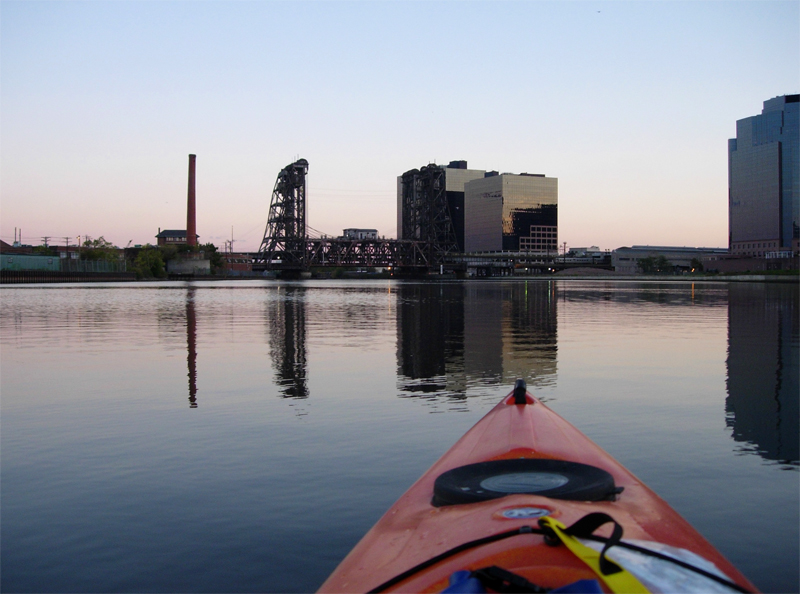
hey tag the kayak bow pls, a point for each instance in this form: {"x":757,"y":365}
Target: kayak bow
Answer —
{"x":525,"y":502}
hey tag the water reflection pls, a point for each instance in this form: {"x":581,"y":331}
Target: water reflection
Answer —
{"x":91,"y":453}
{"x":670,"y":295}
{"x":286,"y":317}
{"x":455,"y":335}
{"x":530,"y":324}
{"x":191,"y":345}
{"x":762,"y":379}
{"x":430,"y":338}
{"x":483,"y":333}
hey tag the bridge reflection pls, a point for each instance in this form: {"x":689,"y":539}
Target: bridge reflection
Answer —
{"x":286,"y":338}
{"x":450,"y":336}
{"x":286,"y":317}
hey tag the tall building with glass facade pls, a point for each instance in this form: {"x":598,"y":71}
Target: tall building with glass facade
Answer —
{"x":489,"y":211}
{"x":508,"y":212}
{"x":764,"y":180}
{"x":456,"y":178}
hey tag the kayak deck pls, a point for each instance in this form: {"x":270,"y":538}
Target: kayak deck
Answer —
{"x":417,"y":528}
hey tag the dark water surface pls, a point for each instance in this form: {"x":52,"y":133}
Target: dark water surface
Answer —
{"x":242,"y":437}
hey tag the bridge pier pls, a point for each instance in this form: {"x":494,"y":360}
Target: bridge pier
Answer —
{"x":292,"y":274}
{"x":411,"y":272}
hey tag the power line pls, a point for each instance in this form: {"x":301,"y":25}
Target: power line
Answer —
{"x":319,"y":234}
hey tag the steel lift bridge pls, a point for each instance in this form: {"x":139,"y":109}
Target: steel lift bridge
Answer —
{"x":284,"y":243}
{"x":289,"y":251}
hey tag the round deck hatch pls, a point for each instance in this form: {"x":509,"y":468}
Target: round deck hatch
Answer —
{"x":524,"y":482}
{"x":557,"y":479}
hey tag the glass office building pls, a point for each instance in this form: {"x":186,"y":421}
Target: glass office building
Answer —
{"x":456,"y":177}
{"x":508,"y":212}
{"x":764,"y":180}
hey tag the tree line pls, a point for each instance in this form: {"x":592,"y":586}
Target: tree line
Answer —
{"x":661,"y":265}
{"x":149,"y":261}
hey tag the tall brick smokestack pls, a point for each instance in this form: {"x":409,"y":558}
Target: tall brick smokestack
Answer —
{"x":191,"y":220}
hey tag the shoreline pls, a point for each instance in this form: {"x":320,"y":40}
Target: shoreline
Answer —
{"x":627,"y":278}
{"x":766,"y":278}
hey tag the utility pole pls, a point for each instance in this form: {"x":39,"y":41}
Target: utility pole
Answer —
{"x":45,"y":239}
{"x":65,"y":266}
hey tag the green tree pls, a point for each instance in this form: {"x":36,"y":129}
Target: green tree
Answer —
{"x":169,"y":252}
{"x":149,"y":263}
{"x":99,"y":249}
{"x":664,"y":266}
{"x":43,"y":250}
{"x":647,"y":265}
{"x":655,"y":265}
{"x":214,"y":256}
{"x":697,"y":265}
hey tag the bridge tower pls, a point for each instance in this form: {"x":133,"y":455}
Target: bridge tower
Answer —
{"x":284,"y":245}
{"x":426,"y":215}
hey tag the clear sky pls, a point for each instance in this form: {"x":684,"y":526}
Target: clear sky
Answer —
{"x":628,"y":104}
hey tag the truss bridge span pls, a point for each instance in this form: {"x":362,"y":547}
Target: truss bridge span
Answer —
{"x":351,"y":253}
{"x":287,"y":248}
{"x":374,"y":253}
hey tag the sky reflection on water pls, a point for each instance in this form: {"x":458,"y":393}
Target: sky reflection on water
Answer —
{"x":243,"y":436}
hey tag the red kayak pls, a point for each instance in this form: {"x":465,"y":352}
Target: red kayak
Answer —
{"x":524,"y":502}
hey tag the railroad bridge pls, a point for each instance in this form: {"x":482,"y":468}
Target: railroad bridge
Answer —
{"x":288,"y":250}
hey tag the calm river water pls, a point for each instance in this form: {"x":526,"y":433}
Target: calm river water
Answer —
{"x":242,"y":436}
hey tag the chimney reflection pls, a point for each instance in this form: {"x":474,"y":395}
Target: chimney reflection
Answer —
{"x":763,"y":381}
{"x":191,"y":346}
{"x":287,"y":340}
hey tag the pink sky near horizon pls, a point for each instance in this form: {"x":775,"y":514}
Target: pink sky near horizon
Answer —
{"x":630,"y":105}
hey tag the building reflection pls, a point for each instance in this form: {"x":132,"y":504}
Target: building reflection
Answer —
{"x":455,"y":335}
{"x":762,"y":369}
{"x":430,"y":341}
{"x":191,"y":345}
{"x":286,"y":317}
{"x":530,"y":340}
{"x":483,"y":332}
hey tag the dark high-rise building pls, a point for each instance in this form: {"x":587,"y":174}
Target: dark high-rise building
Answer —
{"x":413,"y":210}
{"x":764,"y":180}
